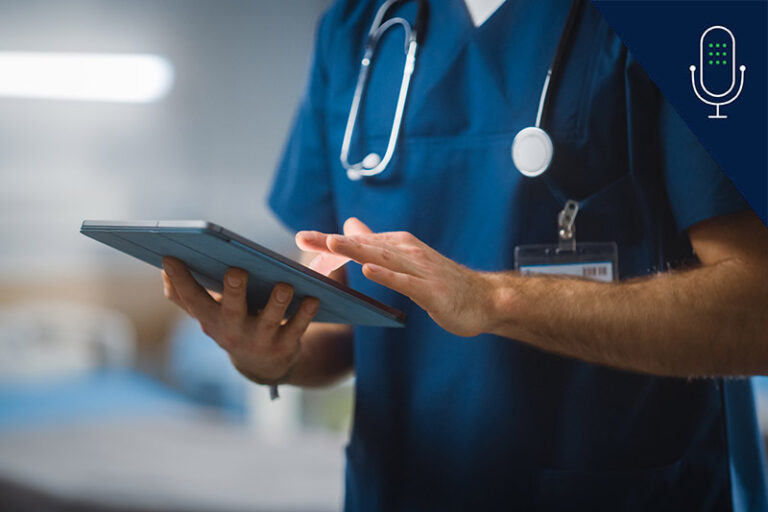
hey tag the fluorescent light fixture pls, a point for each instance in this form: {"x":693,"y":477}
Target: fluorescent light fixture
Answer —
{"x":125,"y":78}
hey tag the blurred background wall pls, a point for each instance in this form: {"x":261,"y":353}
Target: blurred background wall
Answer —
{"x":207,"y":150}
{"x":109,"y":398}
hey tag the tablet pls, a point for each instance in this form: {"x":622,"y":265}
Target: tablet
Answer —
{"x":209,"y":250}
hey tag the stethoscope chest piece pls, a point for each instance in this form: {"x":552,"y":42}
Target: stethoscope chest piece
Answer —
{"x":532,"y":151}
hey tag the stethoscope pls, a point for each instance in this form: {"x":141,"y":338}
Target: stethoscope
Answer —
{"x":532,"y":149}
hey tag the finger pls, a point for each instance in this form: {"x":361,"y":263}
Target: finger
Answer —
{"x":402,"y":241}
{"x":300,"y":320}
{"x":362,"y":250}
{"x":389,"y":237}
{"x":234,"y":307}
{"x":313,"y":241}
{"x":271,"y":317}
{"x":353,"y":226}
{"x":325,"y":263}
{"x":410,"y":286}
{"x":170,"y":292}
{"x":194,"y":297}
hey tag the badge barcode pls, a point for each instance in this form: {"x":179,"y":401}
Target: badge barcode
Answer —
{"x":594,"y":271}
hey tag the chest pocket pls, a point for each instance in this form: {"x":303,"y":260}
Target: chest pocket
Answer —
{"x":587,"y":118}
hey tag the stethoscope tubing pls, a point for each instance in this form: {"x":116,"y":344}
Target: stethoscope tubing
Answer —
{"x":532,"y":149}
{"x":359,"y":170}
{"x":372,"y":164}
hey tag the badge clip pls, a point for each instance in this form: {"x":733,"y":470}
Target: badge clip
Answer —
{"x":566,"y":226}
{"x":589,"y":260}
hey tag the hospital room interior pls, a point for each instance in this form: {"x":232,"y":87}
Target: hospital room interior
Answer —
{"x":111,"y":398}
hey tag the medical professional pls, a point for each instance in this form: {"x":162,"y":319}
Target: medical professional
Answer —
{"x":510,"y":391}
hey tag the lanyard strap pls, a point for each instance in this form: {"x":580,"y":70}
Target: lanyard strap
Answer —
{"x":554,"y":72}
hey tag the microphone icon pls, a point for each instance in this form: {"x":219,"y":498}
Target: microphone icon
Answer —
{"x":717,"y":52}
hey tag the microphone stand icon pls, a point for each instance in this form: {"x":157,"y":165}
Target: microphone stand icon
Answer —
{"x":720,"y":50}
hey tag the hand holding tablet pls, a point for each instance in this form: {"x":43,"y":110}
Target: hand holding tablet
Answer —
{"x":262,"y":346}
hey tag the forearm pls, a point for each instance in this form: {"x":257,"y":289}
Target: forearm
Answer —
{"x":706,"y":321}
{"x":711,"y":320}
{"x":326,"y":356}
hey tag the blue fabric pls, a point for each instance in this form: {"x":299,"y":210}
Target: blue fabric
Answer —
{"x":447,"y":423}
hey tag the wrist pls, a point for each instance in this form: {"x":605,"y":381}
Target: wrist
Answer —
{"x":284,"y":378}
{"x":503,"y":303}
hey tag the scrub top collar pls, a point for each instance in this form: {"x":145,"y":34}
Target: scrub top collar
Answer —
{"x":481,"y":10}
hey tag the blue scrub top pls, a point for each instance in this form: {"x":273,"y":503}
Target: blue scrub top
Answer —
{"x":449,"y":423}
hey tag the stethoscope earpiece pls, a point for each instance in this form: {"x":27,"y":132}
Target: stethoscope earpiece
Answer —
{"x":532,"y":151}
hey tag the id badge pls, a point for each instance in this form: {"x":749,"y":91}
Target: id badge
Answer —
{"x":592,"y":260}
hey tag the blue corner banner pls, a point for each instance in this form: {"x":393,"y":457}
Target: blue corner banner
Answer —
{"x":709,"y":59}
